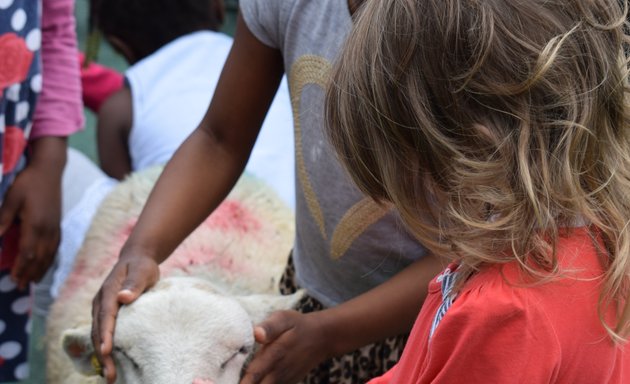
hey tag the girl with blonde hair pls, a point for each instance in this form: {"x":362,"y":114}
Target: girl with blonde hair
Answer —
{"x":499,"y":131}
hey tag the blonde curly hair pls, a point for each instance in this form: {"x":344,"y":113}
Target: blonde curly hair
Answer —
{"x":493,"y":125}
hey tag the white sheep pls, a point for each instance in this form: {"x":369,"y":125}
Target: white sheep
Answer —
{"x":195,"y":324}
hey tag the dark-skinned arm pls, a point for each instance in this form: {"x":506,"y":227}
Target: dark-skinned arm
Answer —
{"x":33,"y":202}
{"x":294,"y":343}
{"x":195,"y":181}
{"x":115,"y":118}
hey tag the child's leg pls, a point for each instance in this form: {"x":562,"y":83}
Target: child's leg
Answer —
{"x":14,"y":329}
{"x":355,"y":367}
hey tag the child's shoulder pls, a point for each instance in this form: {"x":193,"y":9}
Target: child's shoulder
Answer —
{"x":578,"y":268}
{"x":492,"y":321}
{"x":565,"y":302}
{"x":500,"y":315}
{"x":497,"y":293}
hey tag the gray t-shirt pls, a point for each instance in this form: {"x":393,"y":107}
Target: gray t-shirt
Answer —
{"x":345,"y":243}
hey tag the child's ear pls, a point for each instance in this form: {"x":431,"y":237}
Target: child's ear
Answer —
{"x":260,"y":306}
{"x":77,"y":344}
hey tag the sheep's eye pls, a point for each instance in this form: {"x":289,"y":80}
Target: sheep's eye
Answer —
{"x":123,"y":353}
{"x":244,"y":350}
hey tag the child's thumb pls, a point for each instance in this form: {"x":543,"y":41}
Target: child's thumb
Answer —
{"x":260,"y":335}
{"x":136,"y":282}
{"x":273,"y":327}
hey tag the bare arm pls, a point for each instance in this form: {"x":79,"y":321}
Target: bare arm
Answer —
{"x":34,"y":201}
{"x":210,"y":161}
{"x":295,"y":343}
{"x":385,"y":311}
{"x":112,"y":132}
{"x":203,"y":169}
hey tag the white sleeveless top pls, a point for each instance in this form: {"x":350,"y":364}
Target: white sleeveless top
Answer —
{"x":171,"y":90}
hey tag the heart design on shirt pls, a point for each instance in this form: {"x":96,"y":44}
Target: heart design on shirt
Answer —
{"x":311,"y":69}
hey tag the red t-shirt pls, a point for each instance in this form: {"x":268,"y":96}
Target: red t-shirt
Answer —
{"x":502,"y":329}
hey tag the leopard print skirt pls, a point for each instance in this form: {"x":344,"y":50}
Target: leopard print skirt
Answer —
{"x":355,"y":367}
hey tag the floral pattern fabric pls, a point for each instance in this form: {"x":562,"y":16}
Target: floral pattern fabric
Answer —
{"x":20,"y":85}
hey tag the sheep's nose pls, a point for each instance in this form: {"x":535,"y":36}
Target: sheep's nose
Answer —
{"x":202,"y":381}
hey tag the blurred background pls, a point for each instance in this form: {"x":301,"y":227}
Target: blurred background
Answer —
{"x":85,"y":141}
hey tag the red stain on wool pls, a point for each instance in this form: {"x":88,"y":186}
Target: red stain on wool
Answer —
{"x":126,"y":231}
{"x":183,"y":258}
{"x":233,"y":216}
{"x":87,"y":268}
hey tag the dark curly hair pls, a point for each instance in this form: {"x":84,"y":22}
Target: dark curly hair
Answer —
{"x":147,"y":25}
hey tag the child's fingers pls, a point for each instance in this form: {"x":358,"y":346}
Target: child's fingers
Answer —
{"x":27,"y":256}
{"x":46,"y":248}
{"x":8,"y":212}
{"x":261,"y":369}
{"x":104,"y":311}
{"x":21,"y":272}
{"x":37,"y":248}
{"x":22,"y":269}
{"x":273,"y":327}
{"x":126,"y":281}
{"x":258,"y":370}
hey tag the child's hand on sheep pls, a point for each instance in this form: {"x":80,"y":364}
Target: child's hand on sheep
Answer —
{"x":292,"y":344}
{"x":130,"y":277}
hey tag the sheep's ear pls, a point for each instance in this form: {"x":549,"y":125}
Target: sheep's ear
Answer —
{"x":77,"y":344}
{"x":260,"y":306}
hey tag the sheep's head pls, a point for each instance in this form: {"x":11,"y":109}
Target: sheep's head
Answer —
{"x":181,"y":330}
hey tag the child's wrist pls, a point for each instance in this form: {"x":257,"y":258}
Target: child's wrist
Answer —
{"x":330,"y":343}
{"x":132,"y":251}
{"x":49,"y":154}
